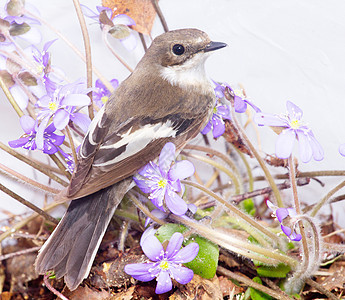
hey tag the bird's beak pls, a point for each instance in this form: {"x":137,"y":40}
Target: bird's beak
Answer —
{"x":214,"y":46}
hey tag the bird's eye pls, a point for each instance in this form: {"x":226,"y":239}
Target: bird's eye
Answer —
{"x":178,"y":49}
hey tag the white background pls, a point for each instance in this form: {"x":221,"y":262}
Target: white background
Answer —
{"x":278,"y":50}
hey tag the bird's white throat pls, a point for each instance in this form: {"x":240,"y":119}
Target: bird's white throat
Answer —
{"x":190,"y":75}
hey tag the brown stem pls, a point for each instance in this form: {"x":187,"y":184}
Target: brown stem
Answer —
{"x":321,"y":289}
{"x":15,"y":175}
{"x":60,"y":165}
{"x":251,"y":283}
{"x":21,"y":252}
{"x":87,"y":46}
{"x":160,"y":15}
{"x":28,"y":204}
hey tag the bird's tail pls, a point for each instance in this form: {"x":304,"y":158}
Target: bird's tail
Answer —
{"x":72,"y":247}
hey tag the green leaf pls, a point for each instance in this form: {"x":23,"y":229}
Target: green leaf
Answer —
{"x":279,"y":271}
{"x":206,"y":262}
{"x":258,"y":295}
{"x":248,"y":206}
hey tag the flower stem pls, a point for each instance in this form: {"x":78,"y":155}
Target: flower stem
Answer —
{"x":144,"y":209}
{"x":10,"y":98}
{"x":60,"y":165}
{"x":15,"y":175}
{"x":298,"y":275}
{"x":240,"y":278}
{"x":33,"y":164}
{"x":87,"y":46}
{"x":160,"y":15}
{"x":28,"y":204}
{"x":72,"y":146}
{"x":105,"y":39}
{"x":261,"y":162}
{"x":326,"y":198}
{"x":237,"y":245}
{"x":234,"y":209}
{"x":51,"y":288}
{"x":233,"y":177}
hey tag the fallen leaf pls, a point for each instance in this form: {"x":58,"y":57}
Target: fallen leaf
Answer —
{"x":228,"y":287}
{"x":141,"y":11}
{"x":86,"y":293}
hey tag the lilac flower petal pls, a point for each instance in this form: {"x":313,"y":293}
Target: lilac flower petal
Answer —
{"x":256,"y":109}
{"x":88,"y":12}
{"x":295,"y":237}
{"x":49,"y":148}
{"x":166,"y":157}
{"x":341,"y":149}
{"x":304,"y":146}
{"x":27,"y":123}
{"x":224,"y":111}
{"x":148,"y":232}
{"x":181,"y":170}
{"x":48,"y":44}
{"x":318,"y":153}
{"x":174,"y":245}
{"x":269,"y":120}
{"x":140,"y":271}
{"x":281,"y":214}
{"x":40,"y":132}
{"x":82,"y":120}
{"x":181,"y":274}
{"x":175,"y":203}
{"x":61,"y":119}
{"x":76,"y":100}
{"x":271,"y":205}
{"x":152,"y":248}
{"x":239,"y":104}
{"x":284,"y":143}
{"x":114,"y":83}
{"x":19,"y":142}
{"x":218,"y":126}
{"x":207,"y":128}
{"x":142,"y":185}
{"x":294,"y":110}
{"x":164,"y":283}
{"x":130,"y":42}
{"x":123,"y":19}
{"x":50,"y":129}
{"x":287,"y":230}
{"x":187,"y":253}
{"x":56,"y":139}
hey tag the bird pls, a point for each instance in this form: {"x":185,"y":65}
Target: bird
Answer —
{"x":167,"y":98}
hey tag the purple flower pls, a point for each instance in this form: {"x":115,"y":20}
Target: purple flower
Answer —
{"x":166,"y":263}
{"x":101,"y":94}
{"x":287,"y":219}
{"x":51,"y":141}
{"x":240,"y":103}
{"x":216,"y":123}
{"x":61,"y":106}
{"x":116,"y":25}
{"x":293,"y":127}
{"x":162,"y":181}
{"x":44,"y":68}
{"x":69,"y":160}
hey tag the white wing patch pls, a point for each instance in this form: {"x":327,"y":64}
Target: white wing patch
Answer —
{"x":138,"y":140}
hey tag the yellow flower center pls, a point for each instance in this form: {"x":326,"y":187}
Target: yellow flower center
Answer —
{"x":164,"y":265}
{"x":162,"y":183}
{"x":53,"y":106}
{"x":104,"y":99}
{"x":215,"y":109}
{"x":40,"y":69}
{"x":295,"y":124}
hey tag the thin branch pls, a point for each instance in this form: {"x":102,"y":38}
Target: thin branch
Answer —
{"x":60,"y":165}
{"x":321,"y":289}
{"x":142,"y":39}
{"x":21,"y":252}
{"x":70,"y":138}
{"x":28,"y":204}
{"x":51,"y":288}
